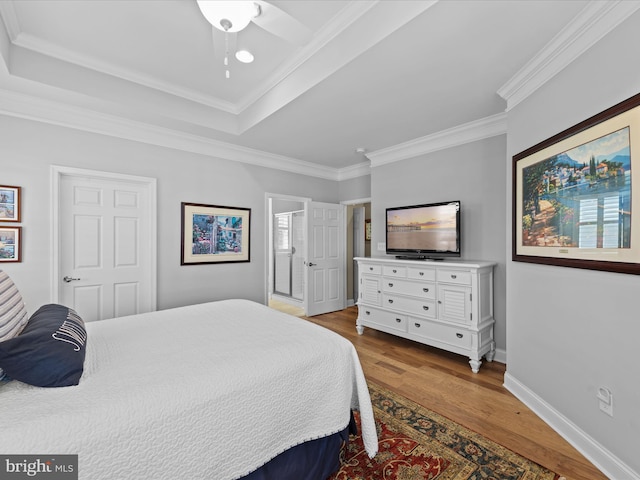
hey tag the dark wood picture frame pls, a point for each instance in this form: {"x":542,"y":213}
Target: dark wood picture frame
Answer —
{"x":10,"y":244}
{"x":10,"y":203}
{"x":572,"y":202}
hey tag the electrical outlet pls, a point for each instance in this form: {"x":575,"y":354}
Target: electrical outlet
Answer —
{"x":605,"y":402}
{"x":382,"y":247}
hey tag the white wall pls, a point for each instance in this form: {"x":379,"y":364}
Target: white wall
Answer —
{"x":27,"y":150}
{"x":569,"y":330}
{"x":472,"y":173}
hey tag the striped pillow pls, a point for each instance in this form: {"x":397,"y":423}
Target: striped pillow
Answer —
{"x":13,"y":314}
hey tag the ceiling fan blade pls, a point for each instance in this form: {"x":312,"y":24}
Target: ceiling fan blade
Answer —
{"x":281,"y":24}
{"x":220,"y":41}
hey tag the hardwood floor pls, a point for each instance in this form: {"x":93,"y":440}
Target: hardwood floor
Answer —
{"x":443,"y":382}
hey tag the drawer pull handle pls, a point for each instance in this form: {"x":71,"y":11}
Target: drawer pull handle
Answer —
{"x":390,"y":301}
{"x":391,"y":284}
{"x":417,"y":325}
{"x":425,"y":307}
{"x":425,"y":290}
{"x":421,"y":274}
{"x":371,"y":268}
{"x":368,"y":312}
{"x":395,"y":271}
{"x":459,"y":335}
{"x":399,"y":320}
{"x":454,"y":276}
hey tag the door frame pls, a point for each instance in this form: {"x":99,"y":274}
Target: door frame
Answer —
{"x":57,"y":172}
{"x":268,"y":267}
{"x":349,"y":259}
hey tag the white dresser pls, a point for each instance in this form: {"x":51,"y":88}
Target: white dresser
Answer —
{"x":445,"y":304}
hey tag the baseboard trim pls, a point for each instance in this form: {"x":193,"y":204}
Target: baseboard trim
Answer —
{"x":602,"y":458}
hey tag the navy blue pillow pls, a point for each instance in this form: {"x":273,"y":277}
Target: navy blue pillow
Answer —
{"x":50,"y":351}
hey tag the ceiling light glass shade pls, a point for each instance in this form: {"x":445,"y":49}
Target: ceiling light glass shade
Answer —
{"x":244,"y":56}
{"x":228,"y":16}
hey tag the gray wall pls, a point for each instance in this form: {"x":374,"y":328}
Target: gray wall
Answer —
{"x":570,"y":330}
{"x":474,"y":174}
{"x":29,"y":148}
{"x":355,"y":188}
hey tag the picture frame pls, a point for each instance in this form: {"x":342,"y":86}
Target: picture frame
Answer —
{"x":10,"y":244}
{"x":572,"y":195}
{"x":10,"y":205}
{"x":214,"y":234}
{"x":367,"y":230}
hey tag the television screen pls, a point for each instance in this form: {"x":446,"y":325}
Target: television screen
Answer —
{"x":424,"y":231}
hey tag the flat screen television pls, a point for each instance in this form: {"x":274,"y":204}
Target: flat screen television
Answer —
{"x":429,"y":231}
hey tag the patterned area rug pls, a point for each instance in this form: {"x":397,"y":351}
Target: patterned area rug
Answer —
{"x":416,"y":443}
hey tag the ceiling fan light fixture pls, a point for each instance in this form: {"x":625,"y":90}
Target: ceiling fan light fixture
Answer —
{"x":229,"y":16}
{"x":244,"y":56}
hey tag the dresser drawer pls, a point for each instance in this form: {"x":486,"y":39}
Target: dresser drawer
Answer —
{"x":408,"y":287}
{"x":441,"y":333}
{"x":394,"y":271}
{"x":454,"y":276}
{"x":413,"y":306}
{"x":371,"y":268}
{"x":385,"y":319}
{"x":421,"y":273}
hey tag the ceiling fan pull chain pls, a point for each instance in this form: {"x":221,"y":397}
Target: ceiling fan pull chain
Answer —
{"x":226,"y":27}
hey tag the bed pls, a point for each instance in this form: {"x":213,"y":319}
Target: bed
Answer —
{"x":218,"y":390}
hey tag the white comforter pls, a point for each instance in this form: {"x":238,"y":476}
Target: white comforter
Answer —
{"x":206,"y":391}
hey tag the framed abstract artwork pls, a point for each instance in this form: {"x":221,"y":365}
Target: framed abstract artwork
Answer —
{"x":572,"y":195}
{"x":214,"y":234}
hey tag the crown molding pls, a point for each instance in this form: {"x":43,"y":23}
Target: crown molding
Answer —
{"x":35,"y":44}
{"x":596,"y":20}
{"x":341,"y":21}
{"x":347,"y":16}
{"x":55,"y":113}
{"x":354,"y":171}
{"x":469,"y":132}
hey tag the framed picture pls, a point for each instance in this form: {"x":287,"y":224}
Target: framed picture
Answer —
{"x":572,"y":195}
{"x":214,"y":234}
{"x":367,"y":229}
{"x":9,"y":204}
{"x":10,"y":244}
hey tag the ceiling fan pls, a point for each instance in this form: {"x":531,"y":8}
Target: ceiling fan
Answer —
{"x":230,"y":17}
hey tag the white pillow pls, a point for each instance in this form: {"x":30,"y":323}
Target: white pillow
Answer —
{"x":13,"y":314}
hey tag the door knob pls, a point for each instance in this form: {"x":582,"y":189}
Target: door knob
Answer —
{"x":311,"y":264}
{"x":69,"y":279}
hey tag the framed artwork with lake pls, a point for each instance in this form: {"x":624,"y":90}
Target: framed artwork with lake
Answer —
{"x":572,"y":195}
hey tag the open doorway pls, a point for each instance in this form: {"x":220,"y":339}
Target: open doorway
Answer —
{"x":309,"y":271}
{"x":358,"y":242}
{"x":286,"y":248}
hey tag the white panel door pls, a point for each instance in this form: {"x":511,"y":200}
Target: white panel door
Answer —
{"x":106,"y":257}
{"x":325,"y":259}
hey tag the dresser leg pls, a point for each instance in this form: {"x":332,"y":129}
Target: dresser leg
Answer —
{"x":491,"y":353}
{"x":475,"y":365}
{"x":359,"y":329}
